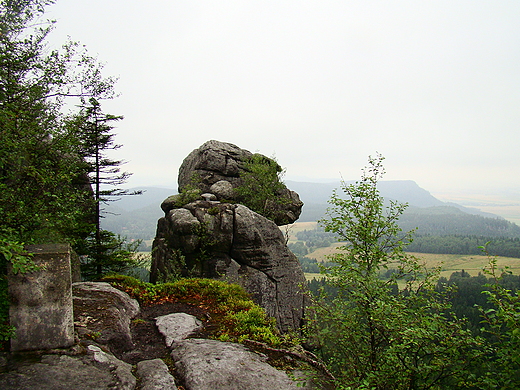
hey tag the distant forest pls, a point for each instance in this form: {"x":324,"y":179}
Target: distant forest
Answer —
{"x":464,"y":298}
{"x":465,"y":245}
{"x":445,"y":230}
{"x":438,"y":230}
{"x":447,"y":220}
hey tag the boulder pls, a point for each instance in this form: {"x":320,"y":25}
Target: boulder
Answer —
{"x":104,"y":313}
{"x":62,"y":372}
{"x":232,"y":243}
{"x":121,"y":370}
{"x":177,"y":326}
{"x":216,"y":168}
{"x":154,"y":375}
{"x":214,"y":161}
{"x":211,"y":364}
{"x":222,"y":189}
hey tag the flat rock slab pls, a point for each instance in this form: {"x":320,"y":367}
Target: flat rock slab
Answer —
{"x":55,"y":372}
{"x":122,"y":370}
{"x":211,"y":364}
{"x":155,"y":375}
{"x":177,"y":326}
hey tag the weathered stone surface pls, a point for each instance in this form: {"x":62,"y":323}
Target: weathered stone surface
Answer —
{"x":41,"y":301}
{"x":177,"y":326}
{"x":155,"y":375}
{"x":212,"y":162}
{"x":222,"y":189}
{"x":121,"y":370}
{"x":259,"y":247}
{"x":211,"y":364}
{"x":215,"y":168}
{"x":61,"y":372}
{"x":105,"y":311}
{"x":236,"y":245}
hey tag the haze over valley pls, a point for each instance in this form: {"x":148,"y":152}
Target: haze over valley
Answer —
{"x":136,"y":216}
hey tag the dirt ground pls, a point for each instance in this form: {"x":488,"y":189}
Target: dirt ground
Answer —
{"x":149,"y":343}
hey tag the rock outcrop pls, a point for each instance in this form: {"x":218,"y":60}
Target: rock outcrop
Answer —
{"x":155,"y":375}
{"x":210,"y":364}
{"x":104,"y":312}
{"x":92,"y":363}
{"x":228,"y":241}
{"x":62,"y":372}
{"x":177,"y":326}
{"x":216,"y":168}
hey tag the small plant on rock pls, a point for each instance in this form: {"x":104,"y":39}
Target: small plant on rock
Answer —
{"x":240,"y":318}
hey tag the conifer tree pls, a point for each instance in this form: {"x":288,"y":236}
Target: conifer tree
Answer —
{"x":93,"y":130}
{"x":42,"y":186}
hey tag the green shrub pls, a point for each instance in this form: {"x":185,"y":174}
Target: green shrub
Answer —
{"x":262,"y":186}
{"x":240,"y":318}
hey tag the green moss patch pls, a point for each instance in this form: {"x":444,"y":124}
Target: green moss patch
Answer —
{"x":230,"y":305}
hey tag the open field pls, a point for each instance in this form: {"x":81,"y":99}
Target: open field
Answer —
{"x":469,"y":263}
{"x":297,"y":227}
{"x":449,"y":263}
{"x":309,"y":276}
{"x":321,"y":254}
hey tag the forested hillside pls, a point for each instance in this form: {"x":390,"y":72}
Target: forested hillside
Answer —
{"x":449,"y":220}
{"x":136,"y":217}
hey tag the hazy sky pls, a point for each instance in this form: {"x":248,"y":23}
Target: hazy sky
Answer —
{"x":432,"y":85}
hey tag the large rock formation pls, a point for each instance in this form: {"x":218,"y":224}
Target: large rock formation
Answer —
{"x":217,"y":168}
{"x":210,"y":238}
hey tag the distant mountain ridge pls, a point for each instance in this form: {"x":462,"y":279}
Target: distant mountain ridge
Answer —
{"x":315,"y":196}
{"x":136,"y":216}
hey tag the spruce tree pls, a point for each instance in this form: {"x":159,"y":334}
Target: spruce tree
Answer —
{"x":93,"y":130}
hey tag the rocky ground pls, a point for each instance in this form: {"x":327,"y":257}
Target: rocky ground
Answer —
{"x":149,"y":343}
{"x":97,"y":361}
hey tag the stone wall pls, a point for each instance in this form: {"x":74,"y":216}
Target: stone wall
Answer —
{"x":41,"y":302}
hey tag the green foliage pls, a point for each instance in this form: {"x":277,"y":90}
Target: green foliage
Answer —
{"x":189,"y":193}
{"x":41,"y":192}
{"x":262,"y":186}
{"x":93,"y":131}
{"x":372,"y":334}
{"x":44,"y":193}
{"x":15,"y":254}
{"x":109,"y":254}
{"x":464,"y":293}
{"x":502,"y":320}
{"x":240,"y":318}
{"x":465,"y":245}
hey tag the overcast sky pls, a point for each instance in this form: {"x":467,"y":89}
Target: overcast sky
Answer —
{"x":434,"y":86}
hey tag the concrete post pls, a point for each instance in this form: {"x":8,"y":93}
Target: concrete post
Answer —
{"x":41,"y":302}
